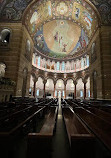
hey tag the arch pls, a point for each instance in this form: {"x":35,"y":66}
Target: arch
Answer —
{"x":50,"y":77}
{"x":49,"y":88}
{"x":80,"y":88}
{"x":40,"y":75}
{"x":70,"y":88}
{"x":60,"y":78}
{"x":70,"y":78}
{"x":5,"y":36}
{"x":28,"y":45}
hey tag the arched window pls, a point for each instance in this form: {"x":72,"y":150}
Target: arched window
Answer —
{"x":63,"y":66}
{"x":37,"y":92}
{"x":28,"y":46}
{"x":87,"y":58}
{"x":63,"y":93}
{"x":4,"y":37}
{"x":89,"y":93}
{"x":81,"y":93}
{"x":39,"y":61}
{"x":2,"y":69}
{"x":58,"y":66}
{"x":82,"y":63}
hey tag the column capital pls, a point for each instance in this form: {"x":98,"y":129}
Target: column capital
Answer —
{"x":44,"y":81}
{"x":54,"y":82}
{"x":84,"y":81}
{"x":75,"y":82}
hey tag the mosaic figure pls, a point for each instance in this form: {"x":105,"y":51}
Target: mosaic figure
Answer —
{"x":77,"y":12}
{"x":88,"y":19}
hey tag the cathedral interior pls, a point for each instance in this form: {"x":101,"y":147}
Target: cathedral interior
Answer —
{"x":55,"y":78}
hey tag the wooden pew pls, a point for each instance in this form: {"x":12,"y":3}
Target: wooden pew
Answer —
{"x":102,"y":114}
{"x":81,"y":140}
{"x":14,"y":127}
{"x":41,"y":143}
{"x":7,"y":138}
{"x":98,"y":126}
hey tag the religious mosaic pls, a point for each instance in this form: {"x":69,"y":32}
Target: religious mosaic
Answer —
{"x":60,"y":38}
{"x":13,"y":9}
{"x":76,"y":11}
{"x":104,"y":8}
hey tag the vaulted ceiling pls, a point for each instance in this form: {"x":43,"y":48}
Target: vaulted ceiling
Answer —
{"x":59,"y":28}
{"x":12,"y":10}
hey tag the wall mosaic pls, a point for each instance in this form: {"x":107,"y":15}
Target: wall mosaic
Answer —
{"x":60,"y":38}
{"x":12,"y":9}
{"x":104,"y":8}
{"x":79,"y":12}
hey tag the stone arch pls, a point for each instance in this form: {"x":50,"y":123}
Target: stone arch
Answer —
{"x":59,"y":79}
{"x":69,"y":78}
{"x":40,"y":75}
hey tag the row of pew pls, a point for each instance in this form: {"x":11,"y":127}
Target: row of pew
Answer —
{"x":94,"y":118}
{"x":18,"y":122}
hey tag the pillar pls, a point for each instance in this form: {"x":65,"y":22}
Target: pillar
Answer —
{"x":54,"y":90}
{"x":75,"y":83}
{"x":64,"y":90}
{"x":34,"y":88}
{"x":84,"y":90}
{"x":44,"y":82}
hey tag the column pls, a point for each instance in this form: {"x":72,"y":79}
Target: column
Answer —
{"x":84,"y":90}
{"x":54,"y":89}
{"x":64,"y":90}
{"x":34,"y":88}
{"x":75,"y":83}
{"x":44,"y":82}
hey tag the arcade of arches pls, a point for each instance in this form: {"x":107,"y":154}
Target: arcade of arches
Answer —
{"x":50,"y":48}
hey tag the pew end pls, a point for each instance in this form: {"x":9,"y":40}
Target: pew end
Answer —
{"x":83,"y":145}
{"x":39,"y":144}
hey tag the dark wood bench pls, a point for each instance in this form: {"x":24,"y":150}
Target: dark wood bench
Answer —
{"x":100,"y":113}
{"x":98,"y":126}
{"x":41,"y":143}
{"x":13,"y":127}
{"x":81,"y":140}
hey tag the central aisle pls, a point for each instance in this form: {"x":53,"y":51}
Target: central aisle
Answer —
{"x":60,"y":146}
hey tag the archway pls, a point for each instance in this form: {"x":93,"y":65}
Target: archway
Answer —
{"x":39,"y":88}
{"x":80,"y":89}
{"x":49,"y":88}
{"x":60,"y":88}
{"x":70,"y":89}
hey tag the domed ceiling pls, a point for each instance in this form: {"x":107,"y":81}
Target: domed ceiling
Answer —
{"x":60,"y":38}
{"x":58,"y":28}
{"x":61,"y":28}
